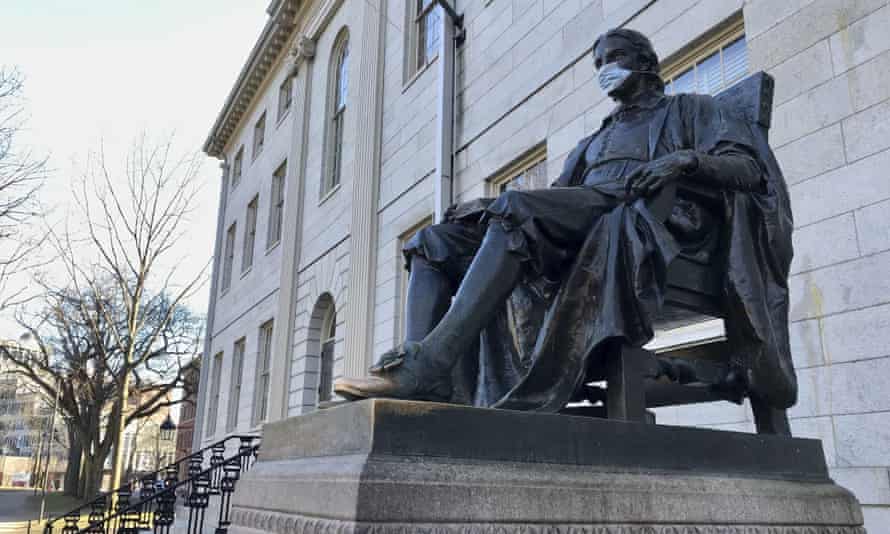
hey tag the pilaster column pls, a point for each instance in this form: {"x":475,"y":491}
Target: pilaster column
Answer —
{"x":292,"y":230}
{"x":368,"y":91}
{"x":203,"y":384}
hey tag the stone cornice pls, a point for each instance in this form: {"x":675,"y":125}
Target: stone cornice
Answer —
{"x":275,"y":35}
{"x":283,"y":21}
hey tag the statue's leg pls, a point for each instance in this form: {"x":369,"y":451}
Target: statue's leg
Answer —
{"x":422,"y":370}
{"x":543,"y":228}
{"x":428,"y":297}
{"x":492,"y":275}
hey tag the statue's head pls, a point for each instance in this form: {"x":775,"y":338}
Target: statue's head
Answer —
{"x":625,"y":61}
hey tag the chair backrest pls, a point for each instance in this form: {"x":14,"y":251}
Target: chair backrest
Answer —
{"x":751,"y":99}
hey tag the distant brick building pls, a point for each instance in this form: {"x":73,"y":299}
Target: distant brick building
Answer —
{"x":329,"y":140}
{"x":185,"y":429}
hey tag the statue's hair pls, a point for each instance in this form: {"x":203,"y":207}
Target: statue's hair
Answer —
{"x":642,"y":45}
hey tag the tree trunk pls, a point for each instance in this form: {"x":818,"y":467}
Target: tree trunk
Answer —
{"x":92,"y":476}
{"x":72,"y":472}
{"x":117,"y":424}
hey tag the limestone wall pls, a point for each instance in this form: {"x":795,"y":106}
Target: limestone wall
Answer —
{"x":832,"y":135}
{"x":252,"y":297}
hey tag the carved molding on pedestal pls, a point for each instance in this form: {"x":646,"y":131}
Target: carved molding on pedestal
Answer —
{"x":278,"y":523}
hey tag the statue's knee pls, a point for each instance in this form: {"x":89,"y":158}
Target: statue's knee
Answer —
{"x":512,"y":196}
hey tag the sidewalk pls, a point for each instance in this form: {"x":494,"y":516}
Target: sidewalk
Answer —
{"x":18,"y":505}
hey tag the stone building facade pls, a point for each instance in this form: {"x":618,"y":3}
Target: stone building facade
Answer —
{"x":329,"y":143}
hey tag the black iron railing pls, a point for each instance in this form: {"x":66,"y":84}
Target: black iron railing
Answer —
{"x":154,"y":507}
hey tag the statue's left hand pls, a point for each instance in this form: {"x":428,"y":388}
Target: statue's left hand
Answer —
{"x":651,"y":177}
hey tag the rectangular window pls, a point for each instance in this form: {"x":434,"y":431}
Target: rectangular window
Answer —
{"x":249,"y":234}
{"x":229,"y":258}
{"x":237,"y":165}
{"x":213,"y":401}
{"x":711,"y":64}
{"x":285,"y":96}
{"x":259,"y":135}
{"x":276,"y":207}
{"x":264,"y":360}
{"x":424,"y":23}
{"x":235,"y":389}
{"x":527,"y":172}
{"x":428,"y":31}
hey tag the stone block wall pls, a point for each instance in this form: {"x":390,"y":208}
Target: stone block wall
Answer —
{"x":831,"y":60}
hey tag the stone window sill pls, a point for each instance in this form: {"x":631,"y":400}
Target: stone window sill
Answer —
{"x":329,"y":194}
{"x":407,"y":85}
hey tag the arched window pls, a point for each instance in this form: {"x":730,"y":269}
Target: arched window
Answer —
{"x":326,"y":369}
{"x":337,"y":96}
{"x":321,"y":345}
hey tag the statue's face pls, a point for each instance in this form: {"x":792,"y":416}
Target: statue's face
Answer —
{"x":618,"y":50}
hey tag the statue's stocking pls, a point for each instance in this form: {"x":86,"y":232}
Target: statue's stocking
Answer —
{"x":490,"y":279}
{"x":428,"y":296}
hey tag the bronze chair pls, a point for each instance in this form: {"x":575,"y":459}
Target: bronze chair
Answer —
{"x":694,"y":292}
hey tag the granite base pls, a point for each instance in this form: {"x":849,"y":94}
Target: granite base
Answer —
{"x":384,"y":466}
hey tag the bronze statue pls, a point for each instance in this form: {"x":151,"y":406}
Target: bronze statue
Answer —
{"x":515,"y":302}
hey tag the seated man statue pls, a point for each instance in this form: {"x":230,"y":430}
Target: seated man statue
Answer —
{"x":515,"y":302}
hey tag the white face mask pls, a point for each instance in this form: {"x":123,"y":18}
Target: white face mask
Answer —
{"x":611,"y":77}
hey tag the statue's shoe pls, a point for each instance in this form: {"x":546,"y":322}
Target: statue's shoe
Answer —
{"x":399,"y":374}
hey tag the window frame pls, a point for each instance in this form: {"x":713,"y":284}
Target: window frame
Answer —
{"x":213,"y":400}
{"x":421,"y":22}
{"x":285,"y":97}
{"x":259,"y":135}
{"x":237,"y":166}
{"x":522,"y":164}
{"x":276,"y":206}
{"x":249,"y":241}
{"x":263,"y":372}
{"x":416,"y":59}
{"x":236,"y":382}
{"x":327,"y":345}
{"x":335,"y":117}
{"x":714,"y":41}
{"x":228,"y":257}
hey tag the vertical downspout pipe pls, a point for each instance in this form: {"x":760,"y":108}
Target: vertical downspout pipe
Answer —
{"x":444,"y":184}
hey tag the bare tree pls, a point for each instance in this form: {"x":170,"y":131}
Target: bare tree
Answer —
{"x":21,"y":176}
{"x":123,"y":306}
{"x":77,"y":359}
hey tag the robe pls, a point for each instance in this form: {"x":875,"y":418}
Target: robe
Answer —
{"x":549,"y":338}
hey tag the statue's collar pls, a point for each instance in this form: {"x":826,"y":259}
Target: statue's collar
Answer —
{"x":648,"y":101}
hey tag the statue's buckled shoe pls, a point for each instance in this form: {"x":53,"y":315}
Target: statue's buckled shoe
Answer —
{"x":397,"y":375}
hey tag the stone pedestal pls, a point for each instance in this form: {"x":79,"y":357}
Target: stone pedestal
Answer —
{"x":386,"y":466}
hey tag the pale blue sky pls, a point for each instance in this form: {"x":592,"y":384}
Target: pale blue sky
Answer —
{"x":111,"y":69}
